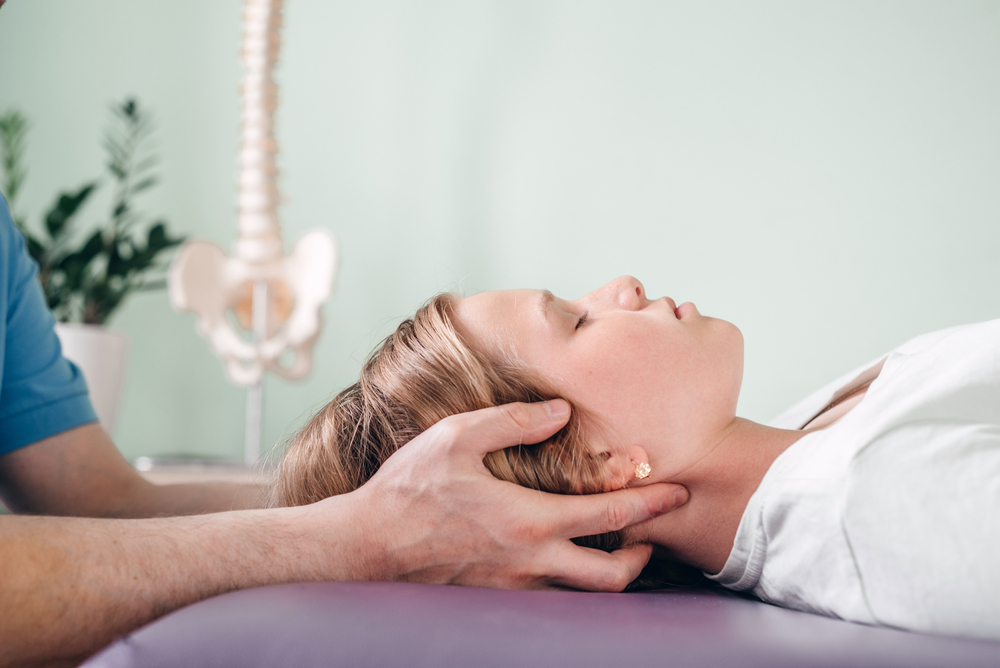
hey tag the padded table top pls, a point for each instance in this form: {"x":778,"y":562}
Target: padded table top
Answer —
{"x":399,"y":624}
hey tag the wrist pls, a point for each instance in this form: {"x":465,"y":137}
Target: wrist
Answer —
{"x":332,"y":540}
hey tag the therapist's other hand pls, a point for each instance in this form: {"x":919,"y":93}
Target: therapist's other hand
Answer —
{"x":434,"y":513}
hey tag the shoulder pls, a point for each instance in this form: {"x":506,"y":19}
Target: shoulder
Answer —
{"x":41,"y":393}
{"x":950,"y":337}
{"x":918,"y":514}
{"x":9,"y":234}
{"x":975,"y":339}
{"x":18,"y":267}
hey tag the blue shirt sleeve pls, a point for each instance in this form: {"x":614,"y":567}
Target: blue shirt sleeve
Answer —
{"x":41,"y":392}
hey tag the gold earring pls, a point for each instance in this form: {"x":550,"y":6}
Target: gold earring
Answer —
{"x":642,"y":470}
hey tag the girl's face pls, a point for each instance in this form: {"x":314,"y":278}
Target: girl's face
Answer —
{"x":663,"y":378}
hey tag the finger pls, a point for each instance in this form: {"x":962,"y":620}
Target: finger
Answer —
{"x":588,"y":515}
{"x":640,"y":532}
{"x":498,"y":427}
{"x":594,"y":570}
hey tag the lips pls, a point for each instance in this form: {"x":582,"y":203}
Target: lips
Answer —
{"x":683,"y":310}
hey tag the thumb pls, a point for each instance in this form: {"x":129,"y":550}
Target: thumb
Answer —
{"x":671,"y":497}
{"x":505,"y":426}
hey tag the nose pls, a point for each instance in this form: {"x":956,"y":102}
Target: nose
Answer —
{"x":625,"y":292}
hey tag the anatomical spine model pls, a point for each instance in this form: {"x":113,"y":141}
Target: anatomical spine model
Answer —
{"x":275,"y":298}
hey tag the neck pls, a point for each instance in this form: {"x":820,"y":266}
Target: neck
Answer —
{"x":701,"y":533}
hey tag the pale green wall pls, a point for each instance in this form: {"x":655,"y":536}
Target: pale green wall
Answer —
{"x":825,"y":175}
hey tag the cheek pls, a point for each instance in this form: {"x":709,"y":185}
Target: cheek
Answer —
{"x":609,"y":364}
{"x":623,"y":378}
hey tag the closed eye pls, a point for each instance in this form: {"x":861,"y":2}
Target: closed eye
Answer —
{"x":581,"y":321}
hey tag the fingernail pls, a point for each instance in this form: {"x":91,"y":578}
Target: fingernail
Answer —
{"x":558,"y":409}
{"x":680,"y":497}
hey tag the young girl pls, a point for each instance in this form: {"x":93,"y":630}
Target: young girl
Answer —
{"x":876,"y":499}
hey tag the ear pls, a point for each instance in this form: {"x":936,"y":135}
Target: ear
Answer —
{"x":620,"y":466}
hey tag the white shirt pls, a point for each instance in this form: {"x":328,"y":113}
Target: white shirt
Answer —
{"x":891,"y":515}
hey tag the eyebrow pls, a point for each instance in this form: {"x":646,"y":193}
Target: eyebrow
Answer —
{"x":545,"y":304}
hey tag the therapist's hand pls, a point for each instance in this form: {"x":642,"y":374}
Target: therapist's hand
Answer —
{"x":434,"y":513}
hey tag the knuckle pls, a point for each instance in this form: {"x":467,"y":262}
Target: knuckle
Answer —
{"x":449,"y":431}
{"x":619,"y":580}
{"x":529,"y":533}
{"x":616,"y":516}
{"x":519,"y":414}
{"x":612,"y":579}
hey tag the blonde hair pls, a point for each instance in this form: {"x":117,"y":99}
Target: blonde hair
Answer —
{"x":419,"y":375}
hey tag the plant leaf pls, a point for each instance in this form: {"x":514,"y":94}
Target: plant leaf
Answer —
{"x":101,"y":300}
{"x":117,"y":170}
{"x":35,"y":249}
{"x":65,"y":206}
{"x":159,"y":240}
{"x":157,"y":237}
{"x":13,"y":138}
{"x":146,"y":163}
{"x":120,"y":209}
{"x":118,"y":265}
{"x":74,"y":265}
{"x":143,"y":185}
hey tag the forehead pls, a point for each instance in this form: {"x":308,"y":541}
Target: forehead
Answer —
{"x":501,"y":303}
{"x":503,"y":316}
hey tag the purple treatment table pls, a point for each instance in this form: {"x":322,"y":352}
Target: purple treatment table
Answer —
{"x":383,"y":624}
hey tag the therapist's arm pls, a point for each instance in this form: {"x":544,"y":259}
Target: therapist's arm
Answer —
{"x":81,"y":473}
{"x":432,"y":513}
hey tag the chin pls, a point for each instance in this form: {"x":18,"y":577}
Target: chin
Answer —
{"x":731,"y":349}
{"x":730,"y":339}
{"x":738,"y":335}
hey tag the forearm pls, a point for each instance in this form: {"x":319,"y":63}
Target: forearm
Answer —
{"x":217,"y":497}
{"x":80,"y":473}
{"x":70,"y":586}
{"x":192,"y":499}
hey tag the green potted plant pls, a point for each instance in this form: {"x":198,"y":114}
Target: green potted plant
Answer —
{"x":86,"y":274}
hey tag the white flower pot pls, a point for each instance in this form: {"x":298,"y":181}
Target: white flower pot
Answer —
{"x":101,"y":355}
